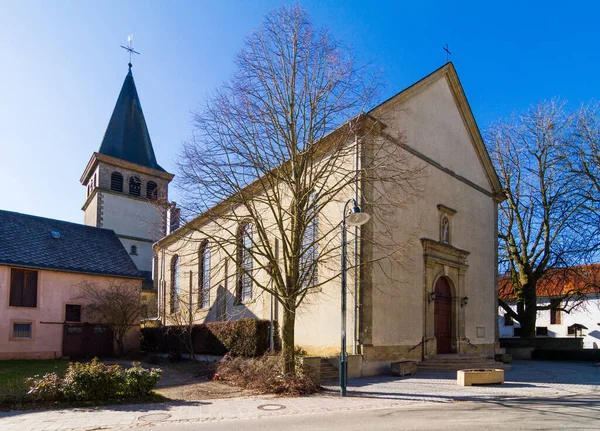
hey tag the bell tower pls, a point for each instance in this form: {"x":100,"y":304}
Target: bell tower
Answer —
{"x":126,"y":189}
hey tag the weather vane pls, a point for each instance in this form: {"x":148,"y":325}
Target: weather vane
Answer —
{"x":448,"y":53}
{"x":130,"y":49}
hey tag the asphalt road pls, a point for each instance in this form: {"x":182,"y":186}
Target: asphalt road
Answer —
{"x":579,"y":412}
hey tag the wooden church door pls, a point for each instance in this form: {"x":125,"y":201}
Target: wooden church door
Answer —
{"x":443,"y":316}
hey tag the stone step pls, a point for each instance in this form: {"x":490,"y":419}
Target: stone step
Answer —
{"x":437,"y":367}
{"x":329,"y":373}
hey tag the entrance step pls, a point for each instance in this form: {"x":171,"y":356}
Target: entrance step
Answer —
{"x":448,"y":363}
{"x":329,"y":373}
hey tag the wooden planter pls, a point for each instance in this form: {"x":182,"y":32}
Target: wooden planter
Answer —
{"x":479,"y":377}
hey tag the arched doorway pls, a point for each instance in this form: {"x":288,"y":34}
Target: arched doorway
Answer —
{"x":443,"y":316}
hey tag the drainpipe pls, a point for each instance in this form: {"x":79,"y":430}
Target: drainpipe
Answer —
{"x":356,"y":272}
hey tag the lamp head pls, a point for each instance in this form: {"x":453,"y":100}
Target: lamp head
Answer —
{"x":357,"y":218}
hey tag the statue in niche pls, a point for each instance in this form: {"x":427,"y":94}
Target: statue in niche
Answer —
{"x":445,"y":230}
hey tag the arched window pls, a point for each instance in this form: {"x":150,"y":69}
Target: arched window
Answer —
{"x":204,"y":275}
{"x":151,"y":190}
{"x":175,"y":284}
{"x":244,"y":263}
{"x":116,"y":182}
{"x":310,"y":247}
{"x":135,"y":186}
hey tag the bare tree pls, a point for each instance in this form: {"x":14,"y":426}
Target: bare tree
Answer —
{"x":118,"y":305}
{"x":274,"y":156}
{"x":546,"y":233}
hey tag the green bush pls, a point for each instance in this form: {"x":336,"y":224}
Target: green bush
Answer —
{"x":244,"y":337}
{"x":94,"y":381}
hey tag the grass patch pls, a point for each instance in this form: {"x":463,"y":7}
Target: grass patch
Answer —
{"x":13,"y":372}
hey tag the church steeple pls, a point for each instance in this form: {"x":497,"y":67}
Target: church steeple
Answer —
{"x":127,"y":136}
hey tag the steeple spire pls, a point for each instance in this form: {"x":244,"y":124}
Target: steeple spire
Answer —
{"x":127,"y":136}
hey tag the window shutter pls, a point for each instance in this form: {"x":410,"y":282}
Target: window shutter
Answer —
{"x":30,"y":289}
{"x":16,"y":287}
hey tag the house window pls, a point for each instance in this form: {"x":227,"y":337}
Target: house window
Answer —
{"x":516,"y":332}
{"x":72,"y":313}
{"x":151,"y":190}
{"x":22,"y":330}
{"x":508,"y":320}
{"x":310,"y":248}
{"x":135,"y":186}
{"x":116,"y":182}
{"x":133,"y":250}
{"x":204,"y":276}
{"x":555,"y":316}
{"x":175,"y":286}
{"x":23,"y":288}
{"x":541,"y":331}
{"x":244,"y":263}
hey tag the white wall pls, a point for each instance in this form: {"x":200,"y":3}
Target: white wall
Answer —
{"x":587,"y":315}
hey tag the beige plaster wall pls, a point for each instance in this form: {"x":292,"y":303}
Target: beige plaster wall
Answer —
{"x":431,"y":124}
{"x":55,"y":290}
{"x":130,"y":216}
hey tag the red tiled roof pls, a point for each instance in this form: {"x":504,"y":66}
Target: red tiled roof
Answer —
{"x":558,"y":282}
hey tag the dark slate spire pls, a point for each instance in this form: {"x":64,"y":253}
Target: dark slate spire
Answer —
{"x":127,"y":136}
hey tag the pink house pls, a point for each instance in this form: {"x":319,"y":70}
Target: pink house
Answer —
{"x":42,"y":264}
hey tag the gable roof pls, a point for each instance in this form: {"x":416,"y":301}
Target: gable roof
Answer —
{"x":28,"y":241}
{"x":448,"y":72}
{"x":557,"y":282}
{"x":127,"y":136}
{"x":371,"y":118}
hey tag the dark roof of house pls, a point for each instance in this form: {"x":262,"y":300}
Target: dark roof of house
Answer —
{"x":44,"y":243}
{"x":127,"y":136}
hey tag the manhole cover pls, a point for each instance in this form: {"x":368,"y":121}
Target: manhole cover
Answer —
{"x":155,"y":417}
{"x":271,"y":407}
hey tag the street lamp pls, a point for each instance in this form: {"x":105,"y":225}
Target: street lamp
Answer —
{"x":354,"y":218}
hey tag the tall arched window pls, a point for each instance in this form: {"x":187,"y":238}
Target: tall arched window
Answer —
{"x":244,"y":263}
{"x":310,"y":247}
{"x":175,"y":284}
{"x":204,"y":275}
{"x":135,"y":186}
{"x":151,"y":190}
{"x":116,"y":182}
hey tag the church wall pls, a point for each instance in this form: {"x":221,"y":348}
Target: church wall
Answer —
{"x":130,"y":216}
{"x":317,"y":320}
{"x":90,"y":215}
{"x":55,"y":290}
{"x":143,"y":257}
{"x":430,"y":124}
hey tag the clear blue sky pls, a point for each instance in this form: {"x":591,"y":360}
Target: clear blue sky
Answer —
{"x":62,"y":69}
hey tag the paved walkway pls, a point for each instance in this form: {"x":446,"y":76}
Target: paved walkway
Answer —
{"x":527,"y":379}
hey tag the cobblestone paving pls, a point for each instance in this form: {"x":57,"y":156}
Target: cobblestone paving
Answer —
{"x":526,"y":379}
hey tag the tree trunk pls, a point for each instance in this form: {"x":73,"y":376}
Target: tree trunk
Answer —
{"x":120,"y":347}
{"x":287,"y":338}
{"x":529,"y":313}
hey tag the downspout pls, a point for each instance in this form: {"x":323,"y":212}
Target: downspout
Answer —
{"x":356,"y":272}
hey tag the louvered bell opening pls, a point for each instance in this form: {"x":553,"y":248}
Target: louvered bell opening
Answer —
{"x":116,"y":182}
{"x":135,"y":186}
{"x":151,"y":190}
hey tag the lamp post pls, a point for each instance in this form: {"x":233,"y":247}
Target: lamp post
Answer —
{"x":355,"y":218}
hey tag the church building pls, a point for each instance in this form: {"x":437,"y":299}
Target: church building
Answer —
{"x":440,"y":299}
{"x":127,"y":190}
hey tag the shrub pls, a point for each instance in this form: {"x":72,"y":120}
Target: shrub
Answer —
{"x":94,"y":381}
{"x":244,"y":337}
{"x":265,"y":375}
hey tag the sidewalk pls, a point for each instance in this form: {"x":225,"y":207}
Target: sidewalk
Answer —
{"x":527,"y":379}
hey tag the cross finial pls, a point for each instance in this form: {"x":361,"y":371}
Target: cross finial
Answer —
{"x":448,"y":53}
{"x":130,"y":49}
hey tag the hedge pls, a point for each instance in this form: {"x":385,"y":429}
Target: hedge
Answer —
{"x":245,"y":337}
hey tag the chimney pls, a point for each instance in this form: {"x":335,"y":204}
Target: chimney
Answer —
{"x":173,"y":218}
